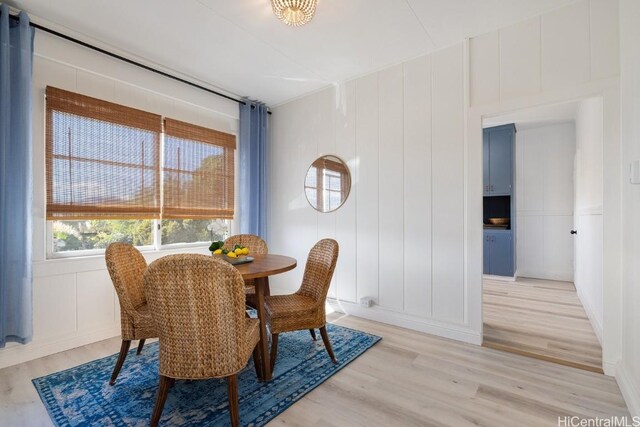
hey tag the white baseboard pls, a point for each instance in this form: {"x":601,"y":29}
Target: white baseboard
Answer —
{"x":595,"y":322}
{"x":500,"y":278}
{"x":545,"y":276}
{"x":16,"y":354}
{"x":420,"y":324}
{"x":630,"y":388}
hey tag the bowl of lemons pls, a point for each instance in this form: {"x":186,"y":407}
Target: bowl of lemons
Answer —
{"x":237,"y":255}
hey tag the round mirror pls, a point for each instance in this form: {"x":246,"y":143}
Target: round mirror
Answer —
{"x":327,"y":183}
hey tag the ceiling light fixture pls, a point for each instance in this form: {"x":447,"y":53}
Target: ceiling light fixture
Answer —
{"x":294,"y":12}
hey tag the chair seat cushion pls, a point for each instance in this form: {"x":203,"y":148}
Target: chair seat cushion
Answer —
{"x":293,"y":312}
{"x":293,"y":305}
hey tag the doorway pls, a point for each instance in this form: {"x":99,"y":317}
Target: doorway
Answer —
{"x":550,"y":306}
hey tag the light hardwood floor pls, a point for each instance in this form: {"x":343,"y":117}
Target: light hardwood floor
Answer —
{"x":542,"y":319}
{"x":407,"y":379}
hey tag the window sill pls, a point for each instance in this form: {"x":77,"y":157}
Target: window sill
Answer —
{"x":95,"y":262}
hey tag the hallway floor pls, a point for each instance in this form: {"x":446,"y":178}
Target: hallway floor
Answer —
{"x":542,"y":319}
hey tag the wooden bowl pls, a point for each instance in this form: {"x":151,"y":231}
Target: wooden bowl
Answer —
{"x":498,"y":221}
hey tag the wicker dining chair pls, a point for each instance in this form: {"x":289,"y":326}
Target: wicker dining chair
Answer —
{"x":305,"y":308}
{"x":126,"y":267}
{"x":256,"y":246}
{"x":197,"y":304}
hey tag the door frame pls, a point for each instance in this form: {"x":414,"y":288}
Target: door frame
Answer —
{"x":609,"y":90}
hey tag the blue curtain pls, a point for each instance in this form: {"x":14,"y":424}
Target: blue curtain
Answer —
{"x":16,"y":56}
{"x":253,"y":150}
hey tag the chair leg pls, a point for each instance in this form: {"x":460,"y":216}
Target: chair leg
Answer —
{"x":327,"y":343}
{"x":140,"y":345}
{"x":232,"y":392}
{"x":274,"y":350}
{"x":257,"y":363}
{"x":313,"y":334}
{"x":163,"y":391}
{"x":124,"y":348}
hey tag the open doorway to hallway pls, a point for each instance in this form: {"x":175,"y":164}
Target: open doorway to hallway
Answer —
{"x":543,"y":277}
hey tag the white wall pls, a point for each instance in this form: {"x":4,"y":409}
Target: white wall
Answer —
{"x":544,"y":201}
{"x":74,"y":301}
{"x":411,"y":230}
{"x":401,"y":131}
{"x":628,"y":373}
{"x":589,"y":210}
{"x":553,"y":66}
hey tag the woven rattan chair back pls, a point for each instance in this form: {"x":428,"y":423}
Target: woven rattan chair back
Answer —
{"x":126,"y":267}
{"x":318,"y":271}
{"x":255,"y":244}
{"x":197,"y":304}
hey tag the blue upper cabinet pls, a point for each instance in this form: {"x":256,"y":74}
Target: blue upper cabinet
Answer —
{"x":497,"y":147}
{"x":486,"y":181}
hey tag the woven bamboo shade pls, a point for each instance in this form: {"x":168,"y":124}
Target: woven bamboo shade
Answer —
{"x":198,"y":172}
{"x":103,"y":159}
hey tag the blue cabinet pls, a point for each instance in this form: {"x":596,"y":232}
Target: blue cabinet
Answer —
{"x":499,"y":253}
{"x":498,"y":151}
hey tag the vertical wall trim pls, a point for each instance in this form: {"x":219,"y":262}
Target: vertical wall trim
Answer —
{"x":541,"y":49}
{"x":589,"y":11}
{"x":433,"y":58}
{"x":466,"y":61}
{"x":378,"y":181}
{"x":404,"y":211}
{"x":356,"y":167}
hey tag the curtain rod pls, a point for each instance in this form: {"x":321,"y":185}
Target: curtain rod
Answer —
{"x":130,"y":61}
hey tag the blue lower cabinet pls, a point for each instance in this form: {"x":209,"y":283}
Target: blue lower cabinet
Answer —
{"x":498,"y":253}
{"x":487,"y":253}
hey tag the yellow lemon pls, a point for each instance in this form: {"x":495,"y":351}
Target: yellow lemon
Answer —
{"x":232,"y":255}
{"x":239,"y":251}
{"x":217,"y":251}
{"x":245,"y":251}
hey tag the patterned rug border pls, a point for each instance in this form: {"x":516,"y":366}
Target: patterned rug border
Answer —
{"x":54,"y":410}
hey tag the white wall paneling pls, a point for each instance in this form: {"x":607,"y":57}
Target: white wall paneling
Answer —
{"x":574,"y":65}
{"x":417,"y":186}
{"x":605,"y":38}
{"x":366,"y":188}
{"x":566,"y":54}
{"x":628,"y":371}
{"x":395,"y":214}
{"x":295,"y":237}
{"x":391,"y":186}
{"x":520,"y":61}
{"x":448,"y":185}
{"x":346,"y":216}
{"x":544,"y":201}
{"x":484,"y":58}
{"x":424,"y":201}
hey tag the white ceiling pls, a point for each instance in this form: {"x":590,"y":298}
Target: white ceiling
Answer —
{"x":240,"y":46}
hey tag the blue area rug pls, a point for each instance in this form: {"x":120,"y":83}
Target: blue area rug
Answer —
{"x":81,"y":396}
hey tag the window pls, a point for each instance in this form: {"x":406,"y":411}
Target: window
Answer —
{"x":113,"y":175}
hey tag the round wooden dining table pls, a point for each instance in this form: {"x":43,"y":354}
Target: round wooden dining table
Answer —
{"x":259,"y":270}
